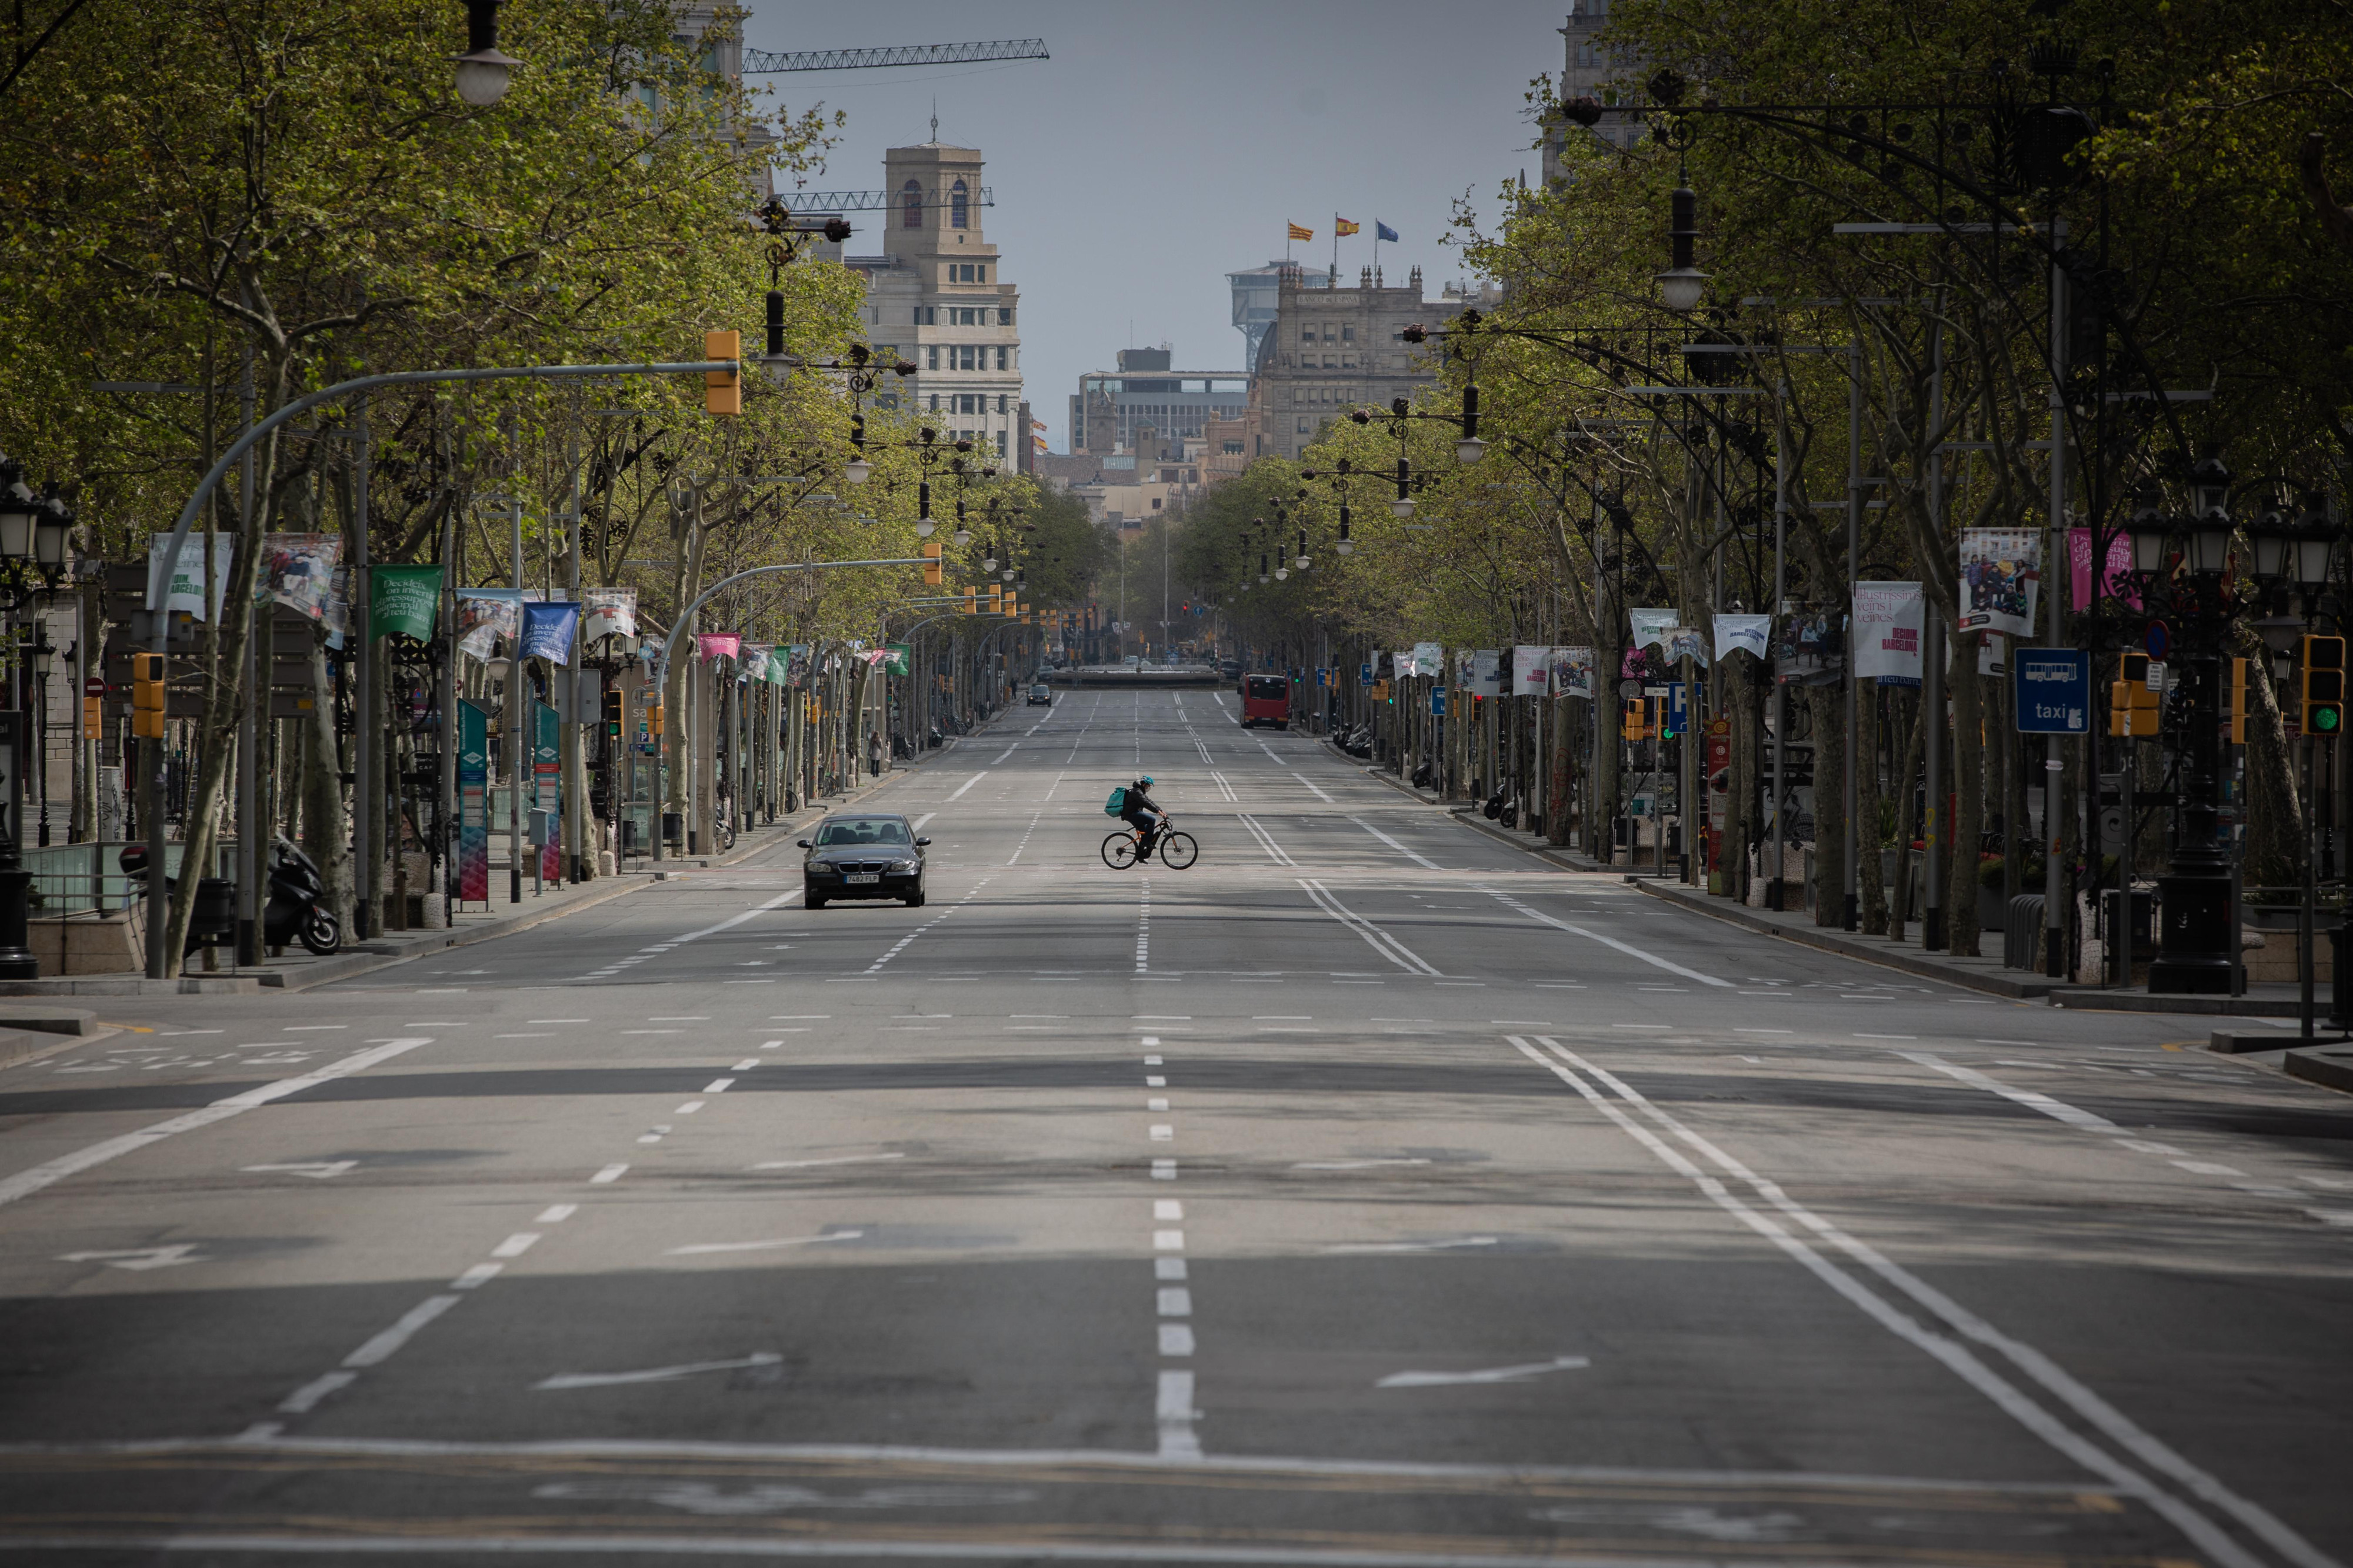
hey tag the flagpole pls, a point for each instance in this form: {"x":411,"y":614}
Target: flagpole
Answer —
{"x":1335,"y":248}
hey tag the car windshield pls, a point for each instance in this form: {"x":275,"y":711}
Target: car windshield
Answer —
{"x":863,"y":830}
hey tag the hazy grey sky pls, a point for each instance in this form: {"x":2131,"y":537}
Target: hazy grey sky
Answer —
{"x":1164,"y":145}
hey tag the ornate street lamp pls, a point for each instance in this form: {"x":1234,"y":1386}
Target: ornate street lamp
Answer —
{"x":482,"y":70}
{"x":2150,"y":531}
{"x":2315,"y":539}
{"x":1683,"y":285}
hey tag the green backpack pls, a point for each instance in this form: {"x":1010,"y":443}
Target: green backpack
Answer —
{"x":1116,"y":804}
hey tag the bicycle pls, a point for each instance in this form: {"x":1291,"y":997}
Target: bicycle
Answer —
{"x":1176,"y":851}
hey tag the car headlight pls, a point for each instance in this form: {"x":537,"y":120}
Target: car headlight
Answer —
{"x":903,"y":866}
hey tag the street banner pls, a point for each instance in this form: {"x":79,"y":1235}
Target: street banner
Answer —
{"x":1532,"y":672}
{"x":2054,"y":688}
{"x":796,"y":663}
{"x":1742,"y":633}
{"x":473,"y":801}
{"x":1572,"y":672}
{"x":751,"y":663}
{"x":1889,"y":618}
{"x":189,"y":573}
{"x":608,"y":613}
{"x":1403,"y":664}
{"x":2116,"y":584}
{"x":404,"y":601}
{"x":298,"y":568}
{"x":486,"y":615}
{"x":2001,"y":576}
{"x":708,"y":646}
{"x":1429,"y":659}
{"x":547,"y":631}
{"x":1684,"y":642}
{"x":895,"y":661}
{"x":338,"y":618}
{"x":547,"y":781}
{"x":1486,"y":672}
{"x":1650,"y":627}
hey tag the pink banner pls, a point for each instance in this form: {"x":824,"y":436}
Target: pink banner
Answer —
{"x":717,"y":645}
{"x":2079,"y":570}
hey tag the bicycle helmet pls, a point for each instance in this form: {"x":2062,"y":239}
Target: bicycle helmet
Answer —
{"x":1145,"y":781}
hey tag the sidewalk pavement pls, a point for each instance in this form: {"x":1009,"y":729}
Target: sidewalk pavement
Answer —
{"x":1986,"y":974}
{"x":297,"y":969}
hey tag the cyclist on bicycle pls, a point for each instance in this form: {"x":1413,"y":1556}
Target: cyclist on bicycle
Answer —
{"x":1141,"y":812}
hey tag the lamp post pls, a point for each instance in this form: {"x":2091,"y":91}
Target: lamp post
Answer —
{"x":482,"y":70}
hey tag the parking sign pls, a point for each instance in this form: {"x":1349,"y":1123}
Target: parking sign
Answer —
{"x":2054,"y":690}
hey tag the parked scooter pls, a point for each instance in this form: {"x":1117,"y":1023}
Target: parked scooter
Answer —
{"x":294,"y":912}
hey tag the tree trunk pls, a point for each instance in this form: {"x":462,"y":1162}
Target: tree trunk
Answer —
{"x":1907,"y":768}
{"x":1872,"y":806}
{"x":326,"y":828}
{"x":1968,"y":788}
{"x":1825,"y":705}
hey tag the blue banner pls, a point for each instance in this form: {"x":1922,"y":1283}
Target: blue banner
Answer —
{"x":547,"y":631}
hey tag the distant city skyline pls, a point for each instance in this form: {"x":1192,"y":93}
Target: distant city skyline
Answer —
{"x":1185,"y":141}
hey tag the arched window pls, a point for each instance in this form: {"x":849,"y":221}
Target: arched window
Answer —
{"x":957,"y":206}
{"x":910,"y":204}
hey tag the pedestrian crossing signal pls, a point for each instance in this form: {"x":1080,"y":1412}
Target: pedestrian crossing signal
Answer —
{"x":2324,"y":685}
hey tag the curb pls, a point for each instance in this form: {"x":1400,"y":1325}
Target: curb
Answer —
{"x":1469,"y":816}
{"x":1827,"y":941}
{"x":2331,"y":1067}
{"x":2092,"y":999}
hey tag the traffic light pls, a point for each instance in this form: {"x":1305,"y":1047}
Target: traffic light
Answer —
{"x":93,"y":719}
{"x":147,"y":696}
{"x":2238,"y":702}
{"x":2132,"y":706}
{"x":722,"y":390}
{"x":971,"y":602}
{"x":654,"y":720}
{"x":2324,"y":685}
{"x":996,"y":599}
{"x":613,"y":715}
{"x":1641,"y":722}
{"x":932,"y":578}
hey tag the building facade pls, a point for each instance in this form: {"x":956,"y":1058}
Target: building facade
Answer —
{"x":1590,"y":70}
{"x":1332,"y":350}
{"x":1258,"y":292}
{"x":1111,"y":406}
{"x":936,"y":296}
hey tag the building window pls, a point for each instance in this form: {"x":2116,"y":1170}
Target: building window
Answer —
{"x":1001,"y":446}
{"x":934,"y":365}
{"x":1348,"y":334}
{"x":935,"y":408}
{"x":958,"y":208}
{"x":1233,"y":447}
{"x":1307,"y":334}
{"x":1002,"y":357}
{"x":980,"y":273}
{"x":1002,"y":406}
{"x":1005,"y":316}
{"x":910,"y":204}
{"x":1303,"y":427}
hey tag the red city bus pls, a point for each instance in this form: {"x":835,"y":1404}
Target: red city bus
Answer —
{"x":1266,"y":699}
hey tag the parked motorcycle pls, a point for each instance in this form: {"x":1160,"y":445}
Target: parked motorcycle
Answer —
{"x":294,"y":912}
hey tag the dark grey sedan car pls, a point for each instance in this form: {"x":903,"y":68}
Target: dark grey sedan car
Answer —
{"x":863,"y":855}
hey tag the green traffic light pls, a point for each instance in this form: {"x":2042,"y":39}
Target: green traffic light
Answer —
{"x":2325,"y":719}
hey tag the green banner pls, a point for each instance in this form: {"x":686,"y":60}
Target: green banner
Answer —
{"x":894,"y":659}
{"x":404,"y":601}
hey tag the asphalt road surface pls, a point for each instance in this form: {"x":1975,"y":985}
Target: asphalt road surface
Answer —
{"x":1367,"y":1193}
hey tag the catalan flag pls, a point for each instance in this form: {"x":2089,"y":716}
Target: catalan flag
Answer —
{"x":1299,"y":233}
{"x":1344,"y":228}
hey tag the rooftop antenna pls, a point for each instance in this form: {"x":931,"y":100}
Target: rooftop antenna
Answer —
{"x":935,"y":119}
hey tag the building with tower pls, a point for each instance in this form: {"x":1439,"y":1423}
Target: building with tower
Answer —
{"x":936,"y":296}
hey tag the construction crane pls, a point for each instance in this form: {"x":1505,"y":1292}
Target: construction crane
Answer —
{"x":763,"y":61}
{"x":854,"y":201}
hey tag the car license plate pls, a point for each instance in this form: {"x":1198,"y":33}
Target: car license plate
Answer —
{"x":855,"y":878}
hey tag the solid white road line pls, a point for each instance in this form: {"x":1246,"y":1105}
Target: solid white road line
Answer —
{"x":24,"y":1183}
{"x":383,"y":1346}
{"x":918,"y":824}
{"x":1943,"y":1346}
{"x":653,"y":1374}
{"x":763,"y":1246}
{"x":1492,"y":1374}
{"x":969,"y":783}
{"x":1265,"y":840}
{"x":1409,"y":854}
{"x":1380,"y":942}
{"x":1626,"y":948}
{"x":733,"y":920}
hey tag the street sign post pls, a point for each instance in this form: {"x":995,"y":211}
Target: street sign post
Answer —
{"x":2054,"y":688}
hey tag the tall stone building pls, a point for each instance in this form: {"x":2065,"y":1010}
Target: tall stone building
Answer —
{"x":1111,"y":406}
{"x":1590,"y":69}
{"x":1332,"y":350}
{"x":937,"y":296}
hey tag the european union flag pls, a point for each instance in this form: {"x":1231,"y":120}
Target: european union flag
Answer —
{"x":1383,"y":231}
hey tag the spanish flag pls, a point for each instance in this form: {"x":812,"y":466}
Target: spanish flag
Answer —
{"x":1299,"y":233}
{"x":1344,"y":228}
